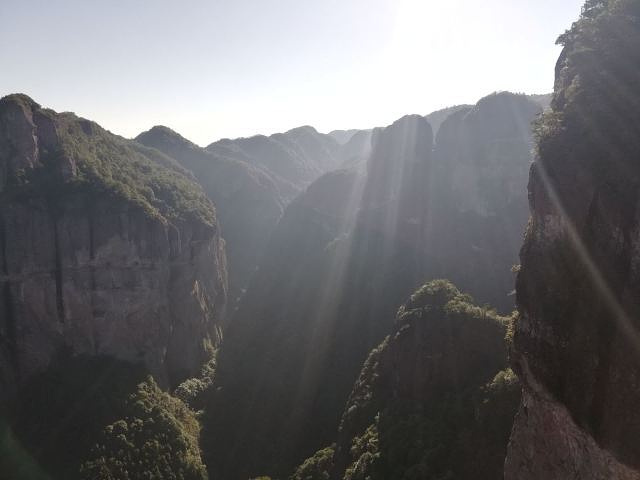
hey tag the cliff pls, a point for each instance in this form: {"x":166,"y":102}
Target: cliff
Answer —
{"x":483,"y":155}
{"x":576,"y":340}
{"x":107,"y":247}
{"x":247,"y":200}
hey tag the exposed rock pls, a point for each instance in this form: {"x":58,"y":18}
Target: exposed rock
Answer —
{"x":483,"y":156}
{"x":576,"y":341}
{"x":247,"y":200}
{"x":107,"y":248}
{"x":547,"y":443}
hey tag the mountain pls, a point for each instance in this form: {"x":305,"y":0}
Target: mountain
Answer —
{"x":483,"y":156}
{"x":113,"y":288}
{"x":108,"y":247}
{"x":346,"y":253}
{"x":576,"y":338}
{"x":356,"y":152}
{"x":247,"y":200}
{"x":343,"y":136}
{"x":434,"y":400}
{"x":264,"y":379}
{"x":293,"y":159}
{"x":436,"y":118}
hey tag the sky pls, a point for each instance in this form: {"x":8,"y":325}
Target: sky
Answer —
{"x":213,"y":69}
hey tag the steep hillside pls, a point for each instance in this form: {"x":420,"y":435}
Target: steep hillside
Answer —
{"x":483,"y":155}
{"x":293,"y":159}
{"x":247,"y":200}
{"x":343,"y":136}
{"x":434,"y":400}
{"x":437,"y":118}
{"x":275,"y":344}
{"x":107,"y":247}
{"x":346,"y":253}
{"x":576,"y":341}
{"x":98,"y":418}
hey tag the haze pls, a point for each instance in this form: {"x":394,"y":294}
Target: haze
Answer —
{"x":213,"y":69}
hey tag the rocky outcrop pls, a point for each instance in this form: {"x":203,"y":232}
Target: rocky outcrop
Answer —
{"x":576,"y":341}
{"x":432,"y":401}
{"x":248,"y":203}
{"x":107,"y":247}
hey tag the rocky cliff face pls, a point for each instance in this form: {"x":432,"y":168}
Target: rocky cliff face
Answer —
{"x":483,"y":155}
{"x":576,"y":341}
{"x":248,"y":203}
{"x":347,"y":252}
{"x":107,"y":247}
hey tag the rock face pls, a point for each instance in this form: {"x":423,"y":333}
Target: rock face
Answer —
{"x":107,"y":247}
{"x":347,"y":252}
{"x":248,"y":202}
{"x":483,"y":155}
{"x":576,"y":341}
{"x":432,"y":401}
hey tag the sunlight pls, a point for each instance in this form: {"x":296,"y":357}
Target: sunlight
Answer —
{"x":372,"y":239}
{"x":618,"y":312}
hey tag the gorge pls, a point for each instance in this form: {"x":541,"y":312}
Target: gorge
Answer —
{"x":451,"y":296}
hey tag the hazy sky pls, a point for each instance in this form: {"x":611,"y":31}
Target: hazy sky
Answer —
{"x":228,"y":68}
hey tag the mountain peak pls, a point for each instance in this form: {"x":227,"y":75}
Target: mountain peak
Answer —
{"x":162,"y":134}
{"x":19,"y":98}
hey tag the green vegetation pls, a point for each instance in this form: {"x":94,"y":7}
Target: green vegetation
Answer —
{"x":99,"y":418}
{"x":316,"y":467}
{"x":192,"y":390}
{"x":100,"y":163}
{"x":138,"y":174}
{"x":60,"y":412}
{"x":434,"y":401}
{"x":365,"y":453}
{"x":158,"y":438}
{"x":594,"y":97}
